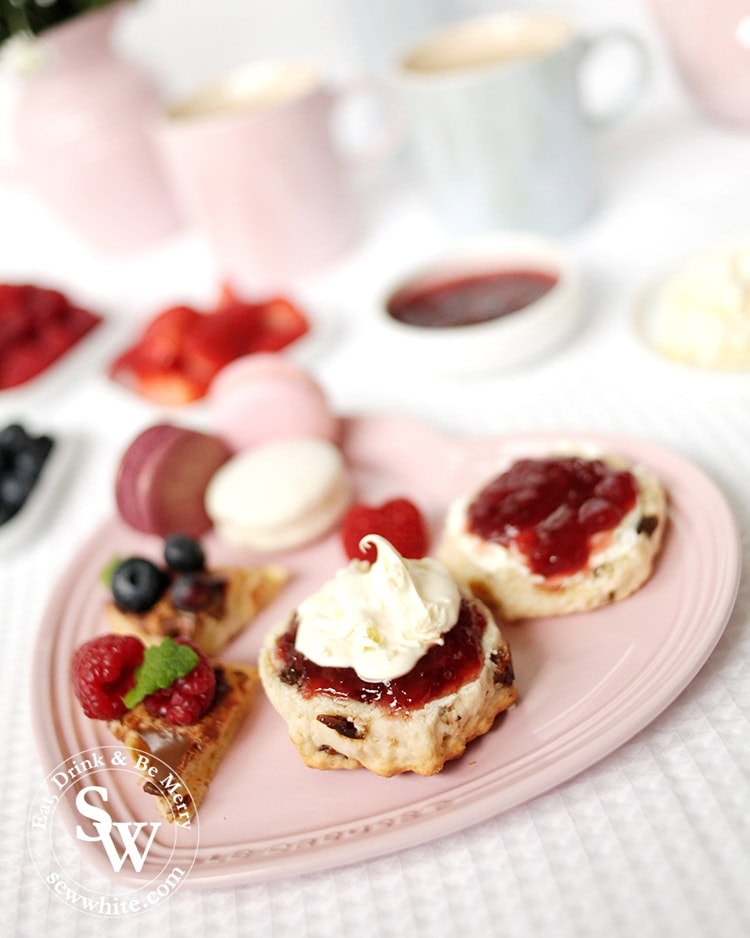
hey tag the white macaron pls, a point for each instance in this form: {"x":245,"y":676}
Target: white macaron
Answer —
{"x":280,"y":495}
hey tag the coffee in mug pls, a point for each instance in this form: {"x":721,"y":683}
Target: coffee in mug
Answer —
{"x":497,"y":126}
{"x":255,"y":161}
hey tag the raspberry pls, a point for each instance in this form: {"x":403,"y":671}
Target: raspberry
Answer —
{"x":398,"y":521}
{"x":103,"y":671}
{"x":188,"y":698}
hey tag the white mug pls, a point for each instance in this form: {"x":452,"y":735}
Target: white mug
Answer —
{"x":497,"y":127}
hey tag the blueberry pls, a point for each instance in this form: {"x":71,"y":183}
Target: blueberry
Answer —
{"x":22,"y":456}
{"x":184,"y":554}
{"x":13,"y":438}
{"x":31,"y":458}
{"x":137,"y":584}
{"x":14,"y":490}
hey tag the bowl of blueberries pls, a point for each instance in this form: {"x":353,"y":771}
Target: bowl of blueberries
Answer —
{"x":27,"y":479}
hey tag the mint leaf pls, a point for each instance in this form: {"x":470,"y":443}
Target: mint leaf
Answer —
{"x":162,"y":665}
{"x":105,"y":575}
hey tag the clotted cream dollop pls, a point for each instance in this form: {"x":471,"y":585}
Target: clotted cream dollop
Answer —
{"x":379,"y":618}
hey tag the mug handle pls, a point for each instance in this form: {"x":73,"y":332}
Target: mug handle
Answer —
{"x":624,"y":102}
{"x":383,"y":139}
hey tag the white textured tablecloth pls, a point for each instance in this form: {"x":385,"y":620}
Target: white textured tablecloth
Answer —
{"x":653,"y":841}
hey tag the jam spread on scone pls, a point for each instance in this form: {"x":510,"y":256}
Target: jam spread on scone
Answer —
{"x":573,"y":531}
{"x":441,"y":671}
{"x":554,"y":510}
{"x":389,"y":667}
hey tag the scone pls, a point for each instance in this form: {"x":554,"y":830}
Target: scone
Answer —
{"x":235,"y":596}
{"x":389,"y":667}
{"x":558,"y":534}
{"x":175,"y":710}
{"x":184,"y":597}
{"x":191,"y":752}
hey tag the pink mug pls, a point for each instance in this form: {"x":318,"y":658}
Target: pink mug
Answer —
{"x":709,"y":41}
{"x":257,"y":165}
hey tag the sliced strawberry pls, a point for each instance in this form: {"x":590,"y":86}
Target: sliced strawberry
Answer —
{"x":57,"y":339}
{"x":42,"y":305}
{"x":281,"y":323}
{"x":128,"y":362}
{"x":208,"y":348}
{"x":170,"y":387}
{"x":14,"y":326}
{"x":162,"y":339}
{"x":228,"y":298}
{"x":79,"y":322}
{"x":24,"y":361}
{"x":181,"y":350}
{"x":398,"y":521}
{"x":276,"y":322}
{"x":11,"y":297}
{"x":37,"y":326}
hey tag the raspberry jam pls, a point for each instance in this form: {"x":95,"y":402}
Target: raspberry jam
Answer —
{"x":551,"y":509}
{"x":441,"y":671}
{"x":465,"y":301}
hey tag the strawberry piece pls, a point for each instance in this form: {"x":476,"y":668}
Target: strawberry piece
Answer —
{"x":227,"y":298}
{"x":37,"y":326}
{"x":274,"y":323}
{"x":182,"y":350}
{"x":79,"y":322}
{"x":56,"y":339}
{"x":162,"y":340}
{"x":14,"y":326}
{"x":24,"y":361}
{"x":281,"y":323}
{"x":172,"y":387}
{"x":398,"y":521}
{"x":42,"y":305}
{"x":215,"y":340}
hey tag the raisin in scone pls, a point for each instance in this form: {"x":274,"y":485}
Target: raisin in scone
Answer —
{"x":558,"y":534}
{"x":388,"y":667}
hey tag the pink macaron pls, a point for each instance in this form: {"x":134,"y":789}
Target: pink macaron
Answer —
{"x":162,"y":478}
{"x":267,"y":397}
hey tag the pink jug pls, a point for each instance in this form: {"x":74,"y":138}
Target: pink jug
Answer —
{"x":82,"y":131}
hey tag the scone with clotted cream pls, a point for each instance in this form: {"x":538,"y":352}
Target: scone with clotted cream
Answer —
{"x":389,"y":667}
{"x":568,"y":532}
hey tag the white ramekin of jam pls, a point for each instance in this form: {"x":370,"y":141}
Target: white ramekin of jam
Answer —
{"x":490,"y":303}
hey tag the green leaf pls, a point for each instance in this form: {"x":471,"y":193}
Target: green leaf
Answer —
{"x":106,"y":573}
{"x":162,"y":665}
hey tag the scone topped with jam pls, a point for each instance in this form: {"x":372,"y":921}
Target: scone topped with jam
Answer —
{"x":389,"y":667}
{"x":562,"y":533}
{"x":185,"y":598}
